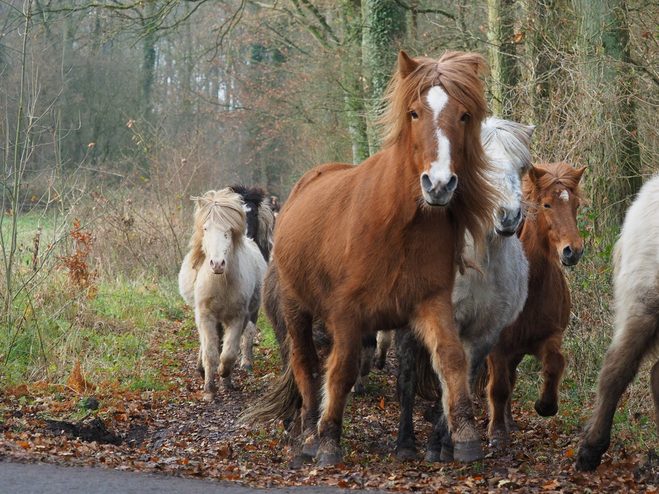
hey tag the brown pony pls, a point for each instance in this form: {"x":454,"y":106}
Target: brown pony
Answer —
{"x":548,"y":234}
{"x":377,"y":245}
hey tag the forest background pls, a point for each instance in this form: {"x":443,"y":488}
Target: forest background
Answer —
{"x":114,"y":113}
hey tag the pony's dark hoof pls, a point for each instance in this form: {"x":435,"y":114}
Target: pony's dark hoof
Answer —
{"x":500,"y":441}
{"x":329,"y":459}
{"x":467,"y":452}
{"x":587,"y":461}
{"x":298,"y":461}
{"x":358,"y":389}
{"x":512,"y":427}
{"x":433,"y":456}
{"x":448,"y":453}
{"x":310,"y":447}
{"x":546,"y":409}
{"x":248,"y":367}
{"x":407,"y":454}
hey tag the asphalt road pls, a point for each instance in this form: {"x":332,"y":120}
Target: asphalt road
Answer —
{"x":20,"y":478}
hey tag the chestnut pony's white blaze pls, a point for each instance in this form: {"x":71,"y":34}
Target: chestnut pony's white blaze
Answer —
{"x":440,"y":169}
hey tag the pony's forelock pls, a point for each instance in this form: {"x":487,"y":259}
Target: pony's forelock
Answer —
{"x":457,"y":72}
{"x":222,"y":207}
{"x":514,"y":137}
{"x":554,"y":173}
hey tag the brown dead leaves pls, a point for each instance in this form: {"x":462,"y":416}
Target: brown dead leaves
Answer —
{"x":174,"y":432}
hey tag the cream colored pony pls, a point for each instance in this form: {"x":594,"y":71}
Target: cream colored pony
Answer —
{"x":636,"y":335}
{"x":221,"y":278}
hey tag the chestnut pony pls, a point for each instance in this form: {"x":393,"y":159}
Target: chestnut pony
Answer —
{"x":549,"y":233}
{"x":377,"y":246}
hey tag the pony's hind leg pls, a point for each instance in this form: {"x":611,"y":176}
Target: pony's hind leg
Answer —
{"x":384,"y":339}
{"x":621,"y":363}
{"x":434,"y":325}
{"x":209,"y":353}
{"x":502,"y":370}
{"x":230,"y":350}
{"x":342,"y":371}
{"x":654,"y":386}
{"x":369,"y":343}
{"x":553,"y":366}
{"x":247,"y":343}
{"x":407,"y":349}
{"x":306,"y":369}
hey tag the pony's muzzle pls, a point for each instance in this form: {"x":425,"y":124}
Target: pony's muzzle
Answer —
{"x":218,"y":268}
{"x":508,"y":220}
{"x":570,"y":256}
{"x":438,"y":193}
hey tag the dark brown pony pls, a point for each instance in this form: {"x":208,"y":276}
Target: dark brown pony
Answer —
{"x":548,"y":234}
{"x":377,"y":245}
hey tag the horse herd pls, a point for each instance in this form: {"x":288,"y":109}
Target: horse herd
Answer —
{"x":451,"y":237}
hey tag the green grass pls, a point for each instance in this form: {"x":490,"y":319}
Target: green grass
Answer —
{"x":110,"y":333}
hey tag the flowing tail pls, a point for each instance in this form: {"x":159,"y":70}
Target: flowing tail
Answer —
{"x":281,"y":402}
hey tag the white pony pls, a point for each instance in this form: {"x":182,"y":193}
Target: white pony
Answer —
{"x":636,"y":305}
{"x":221,"y":278}
{"x":484,"y":301}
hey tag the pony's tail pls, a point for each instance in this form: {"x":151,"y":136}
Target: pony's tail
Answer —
{"x":281,"y":402}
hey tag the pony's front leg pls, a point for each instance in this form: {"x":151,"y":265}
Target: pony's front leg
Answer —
{"x":342,"y":371}
{"x":434,"y":326}
{"x":553,"y":365}
{"x":209,"y":354}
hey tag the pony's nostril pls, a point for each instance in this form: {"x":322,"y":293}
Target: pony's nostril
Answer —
{"x":452,"y":183}
{"x":567,"y":252}
{"x":426,"y":183}
{"x":223,"y":264}
{"x":518,"y":216}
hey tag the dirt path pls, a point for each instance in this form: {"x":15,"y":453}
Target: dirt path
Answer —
{"x":175,"y":433}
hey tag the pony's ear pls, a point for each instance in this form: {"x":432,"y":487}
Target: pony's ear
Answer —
{"x":535,"y":174}
{"x":580,"y":173}
{"x":406,"y":65}
{"x":529,"y":129}
{"x":197,"y":202}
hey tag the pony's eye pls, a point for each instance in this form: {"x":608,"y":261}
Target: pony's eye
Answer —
{"x":415,"y":115}
{"x":464,"y":117}
{"x":546,"y":206}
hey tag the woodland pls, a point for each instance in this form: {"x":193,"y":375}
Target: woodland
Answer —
{"x":114,"y":112}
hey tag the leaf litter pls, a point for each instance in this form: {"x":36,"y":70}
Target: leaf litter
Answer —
{"x":175,"y":432}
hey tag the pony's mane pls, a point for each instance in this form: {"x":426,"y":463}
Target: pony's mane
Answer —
{"x":266,"y":225}
{"x":555,"y":173}
{"x":514,"y":137}
{"x":223,"y":207}
{"x":249,"y":194}
{"x":459,"y":74}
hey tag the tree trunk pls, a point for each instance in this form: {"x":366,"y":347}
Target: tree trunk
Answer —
{"x":605,"y":38}
{"x":384,"y":27}
{"x":503,"y":65}
{"x":351,"y":17}
{"x":148,"y":61}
